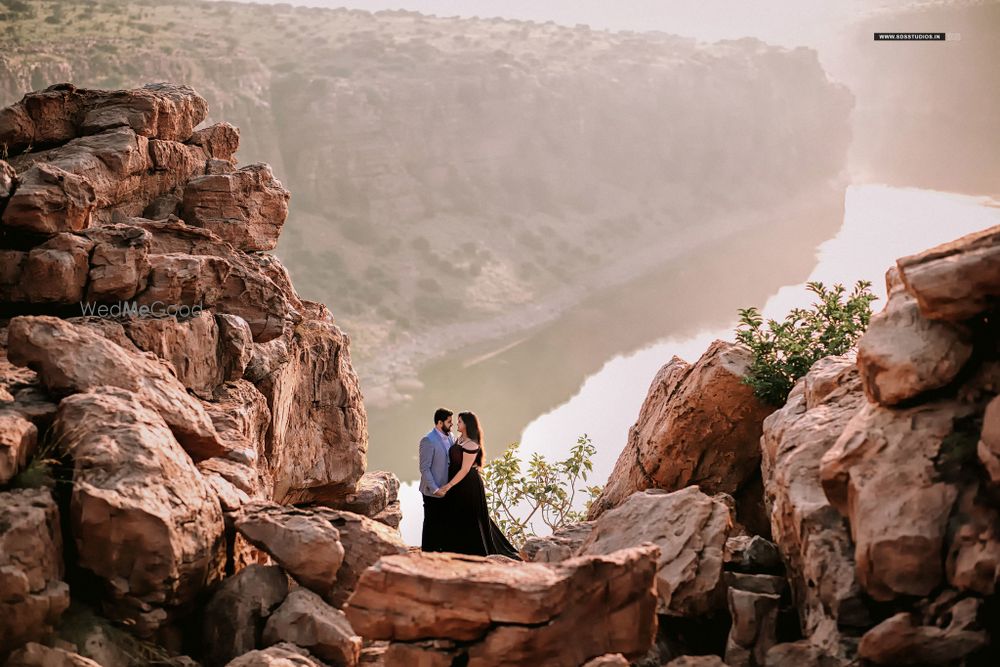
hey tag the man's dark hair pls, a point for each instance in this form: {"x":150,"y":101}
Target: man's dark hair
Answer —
{"x":442,"y":414}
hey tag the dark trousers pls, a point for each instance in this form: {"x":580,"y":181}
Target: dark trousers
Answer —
{"x":431,"y":539}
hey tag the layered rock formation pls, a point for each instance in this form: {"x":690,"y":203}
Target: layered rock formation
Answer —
{"x":161,"y":383}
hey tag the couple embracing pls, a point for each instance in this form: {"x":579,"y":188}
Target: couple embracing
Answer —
{"x":456,"y":516}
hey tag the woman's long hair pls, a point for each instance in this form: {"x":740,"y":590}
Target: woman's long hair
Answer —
{"x":472,"y":429}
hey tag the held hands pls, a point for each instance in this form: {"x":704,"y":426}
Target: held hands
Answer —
{"x":440,"y":492}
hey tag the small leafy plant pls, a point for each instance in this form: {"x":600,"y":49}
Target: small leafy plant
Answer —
{"x":544,"y":493}
{"x":784,"y":351}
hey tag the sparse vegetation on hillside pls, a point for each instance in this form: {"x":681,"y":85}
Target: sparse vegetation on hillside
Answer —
{"x":785,"y":351}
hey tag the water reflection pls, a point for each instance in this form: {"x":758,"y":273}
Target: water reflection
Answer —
{"x":696,"y":303}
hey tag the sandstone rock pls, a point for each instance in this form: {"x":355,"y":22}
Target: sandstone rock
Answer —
{"x":305,"y":620}
{"x":901,"y":640}
{"x":988,"y":448}
{"x":119,"y":264}
{"x":221,"y":140}
{"x":700,"y":425}
{"x":32,"y":595}
{"x":365,"y":542}
{"x":279,"y":655}
{"x":71,"y":358}
{"x":193,"y":266}
{"x":235,"y":345}
{"x":62,"y":112}
{"x":246,"y":208}
{"x":49,"y":200}
{"x":319,"y":427}
{"x":957,"y":280}
{"x":8,"y":182}
{"x":234,"y":617}
{"x":18,"y":439}
{"x":432,"y":653}
{"x":391,"y":516}
{"x":36,"y":655}
{"x":517,"y":613}
{"x":375,"y":654}
{"x":751,"y":553}
{"x":689,"y":527}
{"x":812,"y":536}
{"x":53,"y":272}
{"x":881,"y":475}
{"x":375,"y":492}
{"x":799,"y":654}
{"x":902,"y":354}
{"x":190,"y":346}
{"x":753,"y":631}
{"x":302,"y":542}
{"x":560,"y":545}
{"x":767,"y":584}
{"x":608,"y":660}
{"x":697,"y":661}
{"x":973,"y":559}
{"x":143,"y":519}
{"x":241,"y":417}
{"x":235,"y":483}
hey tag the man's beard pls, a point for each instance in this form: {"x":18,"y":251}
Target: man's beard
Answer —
{"x":445,"y":429}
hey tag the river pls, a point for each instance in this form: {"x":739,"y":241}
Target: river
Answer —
{"x":588,"y":372}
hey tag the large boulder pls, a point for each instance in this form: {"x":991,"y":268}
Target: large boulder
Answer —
{"x":305,"y":620}
{"x":902,"y":354}
{"x":813,"y":538}
{"x":304,"y":543}
{"x":881,"y":474}
{"x":48,"y":200}
{"x":190,"y":346}
{"x":700,"y":425}
{"x":957,"y":280}
{"x":279,"y":655}
{"x":247,"y":207}
{"x":365,"y":542}
{"x":508,"y":613}
{"x":119,"y":262}
{"x":690,"y":529}
{"x":32,"y":593}
{"x":234,"y":617}
{"x":561,"y":544}
{"x":18,"y":439}
{"x":54,"y":272}
{"x":903,"y":640}
{"x":319,"y":427}
{"x":71,"y":358}
{"x":144,"y":521}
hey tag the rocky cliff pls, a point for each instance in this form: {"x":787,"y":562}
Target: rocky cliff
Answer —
{"x":442,"y":164}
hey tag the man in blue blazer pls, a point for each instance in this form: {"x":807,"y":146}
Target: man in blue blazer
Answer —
{"x":433,"y":475}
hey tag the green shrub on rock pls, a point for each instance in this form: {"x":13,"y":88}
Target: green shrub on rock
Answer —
{"x":785,"y":351}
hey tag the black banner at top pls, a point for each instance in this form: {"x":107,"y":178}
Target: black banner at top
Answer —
{"x":909,"y":36}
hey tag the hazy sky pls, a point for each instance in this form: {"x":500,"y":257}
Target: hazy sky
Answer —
{"x":786,"y":22}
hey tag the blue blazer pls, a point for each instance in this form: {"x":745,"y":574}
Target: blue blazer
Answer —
{"x":434,"y":461}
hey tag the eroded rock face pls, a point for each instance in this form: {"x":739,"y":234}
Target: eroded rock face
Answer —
{"x":902,"y":640}
{"x":512,"y":613}
{"x":119,"y":263}
{"x":305,"y":620}
{"x":699,"y":425}
{"x":957,"y":280}
{"x":319,"y":428}
{"x":902,"y":354}
{"x":689,"y":527}
{"x":63,"y":112}
{"x":190,"y":346}
{"x":813,"y":538}
{"x":246,"y":208}
{"x":236,"y":614}
{"x":18,"y":439}
{"x":881,"y":475}
{"x":49,"y":200}
{"x":560,"y":545}
{"x":279,"y":655}
{"x":36,"y":655}
{"x":32,"y":593}
{"x":144,"y":521}
{"x":70,"y":358}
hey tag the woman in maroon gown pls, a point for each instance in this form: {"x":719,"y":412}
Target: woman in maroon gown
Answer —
{"x":467,"y":527}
